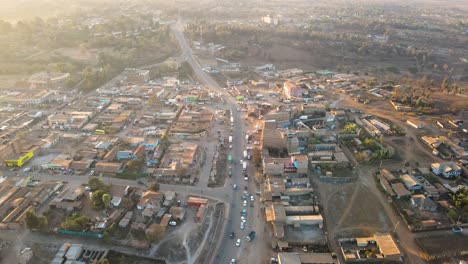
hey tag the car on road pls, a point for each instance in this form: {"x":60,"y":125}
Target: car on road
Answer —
{"x":172,"y":223}
{"x":230,"y":146}
{"x":245,"y":203}
{"x":246,"y":192}
{"x":231,"y":235}
{"x":244,"y":212}
{"x":234,"y":186}
{"x":243,"y":219}
{"x":233,"y":261}
{"x":252,"y":198}
{"x":91,"y":173}
{"x":242,"y":225}
{"x":244,"y":197}
{"x":238,"y":242}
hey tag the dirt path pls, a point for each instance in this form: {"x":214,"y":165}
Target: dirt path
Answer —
{"x":202,"y":244}
{"x":187,"y":248}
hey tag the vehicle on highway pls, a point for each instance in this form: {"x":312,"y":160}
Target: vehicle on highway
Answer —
{"x":245,"y":203}
{"x":231,"y":235}
{"x":251,"y":236}
{"x":252,"y":198}
{"x":172,"y":223}
{"x":238,"y":242}
{"x":242,"y":225}
{"x":244,"y":212}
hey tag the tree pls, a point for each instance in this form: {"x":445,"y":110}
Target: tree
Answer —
{"x":155,"y":233}
{"x":452,"y":214}
{"x":34,"y":221}
{"x":106,"y":199}
{"x":185,"y":70}
{"x":97,"y":184}
{"x":75,"y":223}
{"x":154,"y":186}
{"x":97,"y":200}
{"x":413,"y":69}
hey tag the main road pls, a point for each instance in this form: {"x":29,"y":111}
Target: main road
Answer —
{"x":226,"y":249}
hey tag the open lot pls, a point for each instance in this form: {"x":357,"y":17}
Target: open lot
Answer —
{"x":444,"y":245}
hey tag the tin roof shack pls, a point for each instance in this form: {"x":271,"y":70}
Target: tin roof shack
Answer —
{"x":68,"y":199}
{"x":177,"y":212}
{"x":279,"y":166}
{"x":410,"y":183}
{"x":400,"y":191}
{"x":379,"y":248}
{"x":277,"y":188}
{"x":192,"y":123}
{"x":149,"y":199}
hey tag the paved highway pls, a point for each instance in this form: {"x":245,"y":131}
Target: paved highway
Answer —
{"x":226,"y":247}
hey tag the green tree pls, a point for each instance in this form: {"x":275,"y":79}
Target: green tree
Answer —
{"x":413,"y":69}
{"x":96,"y":184}
{"x":154,"y":186}
{"x":97,"y":200}
{"x":350,"y":128}
{"x":34,"y":221}
{"x":185,"y":70}
{"x":452,"y":214}
{"x":106,"y":199}
{"x":76,"y":223}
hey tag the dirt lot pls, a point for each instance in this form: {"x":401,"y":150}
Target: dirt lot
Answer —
{"x":352,"y":208}
{"x":444,"y":245}
{"x":120,"y":258}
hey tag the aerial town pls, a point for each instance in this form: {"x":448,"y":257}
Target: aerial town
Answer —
{"x":234,"y":132}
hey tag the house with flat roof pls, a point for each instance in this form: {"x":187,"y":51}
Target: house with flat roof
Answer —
{"x":382,"y":248}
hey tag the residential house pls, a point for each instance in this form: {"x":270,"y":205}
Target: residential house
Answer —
{"x":400,"y":191}
{"x":410,"y":183}
{"x":150,"y":199}
{"x":423,"y":203}
{"x":292,"y":90}
{"x":446,"y":169}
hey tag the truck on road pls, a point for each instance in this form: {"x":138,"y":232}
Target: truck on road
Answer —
{"x":251,"y":236}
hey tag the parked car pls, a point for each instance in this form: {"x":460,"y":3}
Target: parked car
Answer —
{"x":244,"y":212}
{"x":252,"y":198}
{"x":231,"y":235}
{"x":242,"y":225}
{"x":233,"y":261}
{"x":243,"y":219}
{"x":245,"y":203}
{"x":238,"y":242}
{"x":172,"y":223}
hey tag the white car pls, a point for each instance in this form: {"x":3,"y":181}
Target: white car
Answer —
{"x":252,"y":198}
{"x":172,"y":223}
{"x":242,"y":226}
{"x":238,"y":242}
{"x":230,"y":146}
{"x":243,"y":219}
{"x":233,"y":261}
{"x":245,"y":203}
